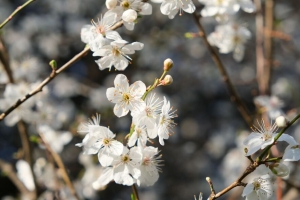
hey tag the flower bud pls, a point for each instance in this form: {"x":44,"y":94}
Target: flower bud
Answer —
{"x":280,"y":169}
{"x":168,"y":64}
{"x":168,"y":80}
{"x":53,"y":65}
{"x":129,"y":15}
{"x":110,"y":4}
{"x":281,"y":121}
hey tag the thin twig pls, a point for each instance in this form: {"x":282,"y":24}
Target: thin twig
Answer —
{"x":15,"y":12}
{"x":39,"y":88}
{"x":259,"y":23}
{"x":252,"y":166}
{"x":54,"y":73}
{"x":8,"y":169}
{"x":27,"y":148}
{"x":4,"y":58}
{"x":216,"y":58}
{"x":61,"y":166}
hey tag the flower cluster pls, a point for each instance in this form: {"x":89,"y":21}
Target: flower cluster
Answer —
{"x":260,"y":139}
{"x":136,"y":162}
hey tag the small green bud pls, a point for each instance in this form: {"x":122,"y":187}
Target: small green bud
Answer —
{"x":189,"y":35}
{"x":168,"y":64}
{"x":53,"y":64}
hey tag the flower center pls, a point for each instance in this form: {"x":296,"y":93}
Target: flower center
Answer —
{"x":125,"y":159}
{"x":126,"y":98}
{"x":148,"y":112}
{"x":146,"y":161}
{"x":139,"y":132}
{"x":267,"y":136}
{"x":116,"y":51}
{"x":256,"y":185}
{"x":106,"y":141}
{"x":125,"y":4}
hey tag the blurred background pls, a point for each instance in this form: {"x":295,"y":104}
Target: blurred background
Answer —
{"x":207,"y":140}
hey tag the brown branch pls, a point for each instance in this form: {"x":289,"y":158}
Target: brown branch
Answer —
{"x":216,"y":58}
{"x":236,"y":183}
{"x":11,"y":174}
{"x":15,"y":12}
{"x":61,"y":166}
{"x":54,"y":73}
{"x":4,"y":58}
{"x":39,"y":88}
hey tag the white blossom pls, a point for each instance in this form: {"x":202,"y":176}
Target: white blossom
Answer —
{"x":171,"y":7}
{"x":259,"y":189}
{"x":272,"y":104}
{"x":56,"y":139}
{"x":110,"y":4}
{"x":24,"y":173}
{"x":100,"y":139}
{"x":149,"y":114}
{"x":217,"y":7}
{"x":165,"y":122}
{"x":97,"y":34}
{"x":138,"y":6}
{"x":86,"y":127}
{"x":279,"y":169}
{"x":150,"y":166}
{"x":230,"y":38}
{"x":125,"y":169}
{"x":115,"y":54}
{"x":139,"y":134}
{"x":247,"y":5}
{"x":262,"y":137}
{"x":292,"y":151}
{"x":127,"y":98}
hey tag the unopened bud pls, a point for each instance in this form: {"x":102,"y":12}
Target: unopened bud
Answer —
{"x":129,"y":15}
{"x":168,"y":64}
{"x":53,"y":64}
{"x":281,"y":121}
{"x":280,"y":169}
{"x":168,"y":80}
{"x":208,"y":179}
{"x":110,"y":4}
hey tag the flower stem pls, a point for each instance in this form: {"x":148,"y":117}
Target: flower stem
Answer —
{"x":135,"y":192}
{"x":15,"y":12}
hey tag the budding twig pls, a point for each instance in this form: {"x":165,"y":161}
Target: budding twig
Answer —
{"x":15,"y":12}
{"x":40,"y":87}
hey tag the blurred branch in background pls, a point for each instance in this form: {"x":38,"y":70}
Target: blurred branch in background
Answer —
{"x":61,"y":166}
{"x":268,"y":46}
{"x":234,"y":97}
{"x":8,"y":170}
{"x":39,"y":88}
{"x":15,"y":12}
